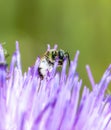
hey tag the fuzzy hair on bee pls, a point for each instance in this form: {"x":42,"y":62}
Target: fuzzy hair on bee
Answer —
{"x":49,"y":58}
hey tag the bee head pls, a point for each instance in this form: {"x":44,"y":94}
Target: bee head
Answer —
{"x":62,"y":56}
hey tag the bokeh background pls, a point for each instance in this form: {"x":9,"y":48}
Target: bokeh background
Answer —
{"x":73,"y":24}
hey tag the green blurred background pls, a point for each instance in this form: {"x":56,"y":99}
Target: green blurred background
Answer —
{"x":74,"y":25}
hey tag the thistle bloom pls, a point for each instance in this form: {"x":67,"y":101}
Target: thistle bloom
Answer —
{"x":29,"y":103}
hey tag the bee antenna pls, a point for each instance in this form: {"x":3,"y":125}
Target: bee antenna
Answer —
{"x":68,"y":57}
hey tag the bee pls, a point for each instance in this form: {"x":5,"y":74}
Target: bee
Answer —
{"x":49,"y":58}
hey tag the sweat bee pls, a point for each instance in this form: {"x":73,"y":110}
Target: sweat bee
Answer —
{"x":49,"y":58}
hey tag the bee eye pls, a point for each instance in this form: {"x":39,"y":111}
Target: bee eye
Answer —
{"x":54,"y":55}
{"x":61,"y":55}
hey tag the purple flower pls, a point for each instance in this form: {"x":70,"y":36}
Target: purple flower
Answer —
{"x":29,"y":103}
